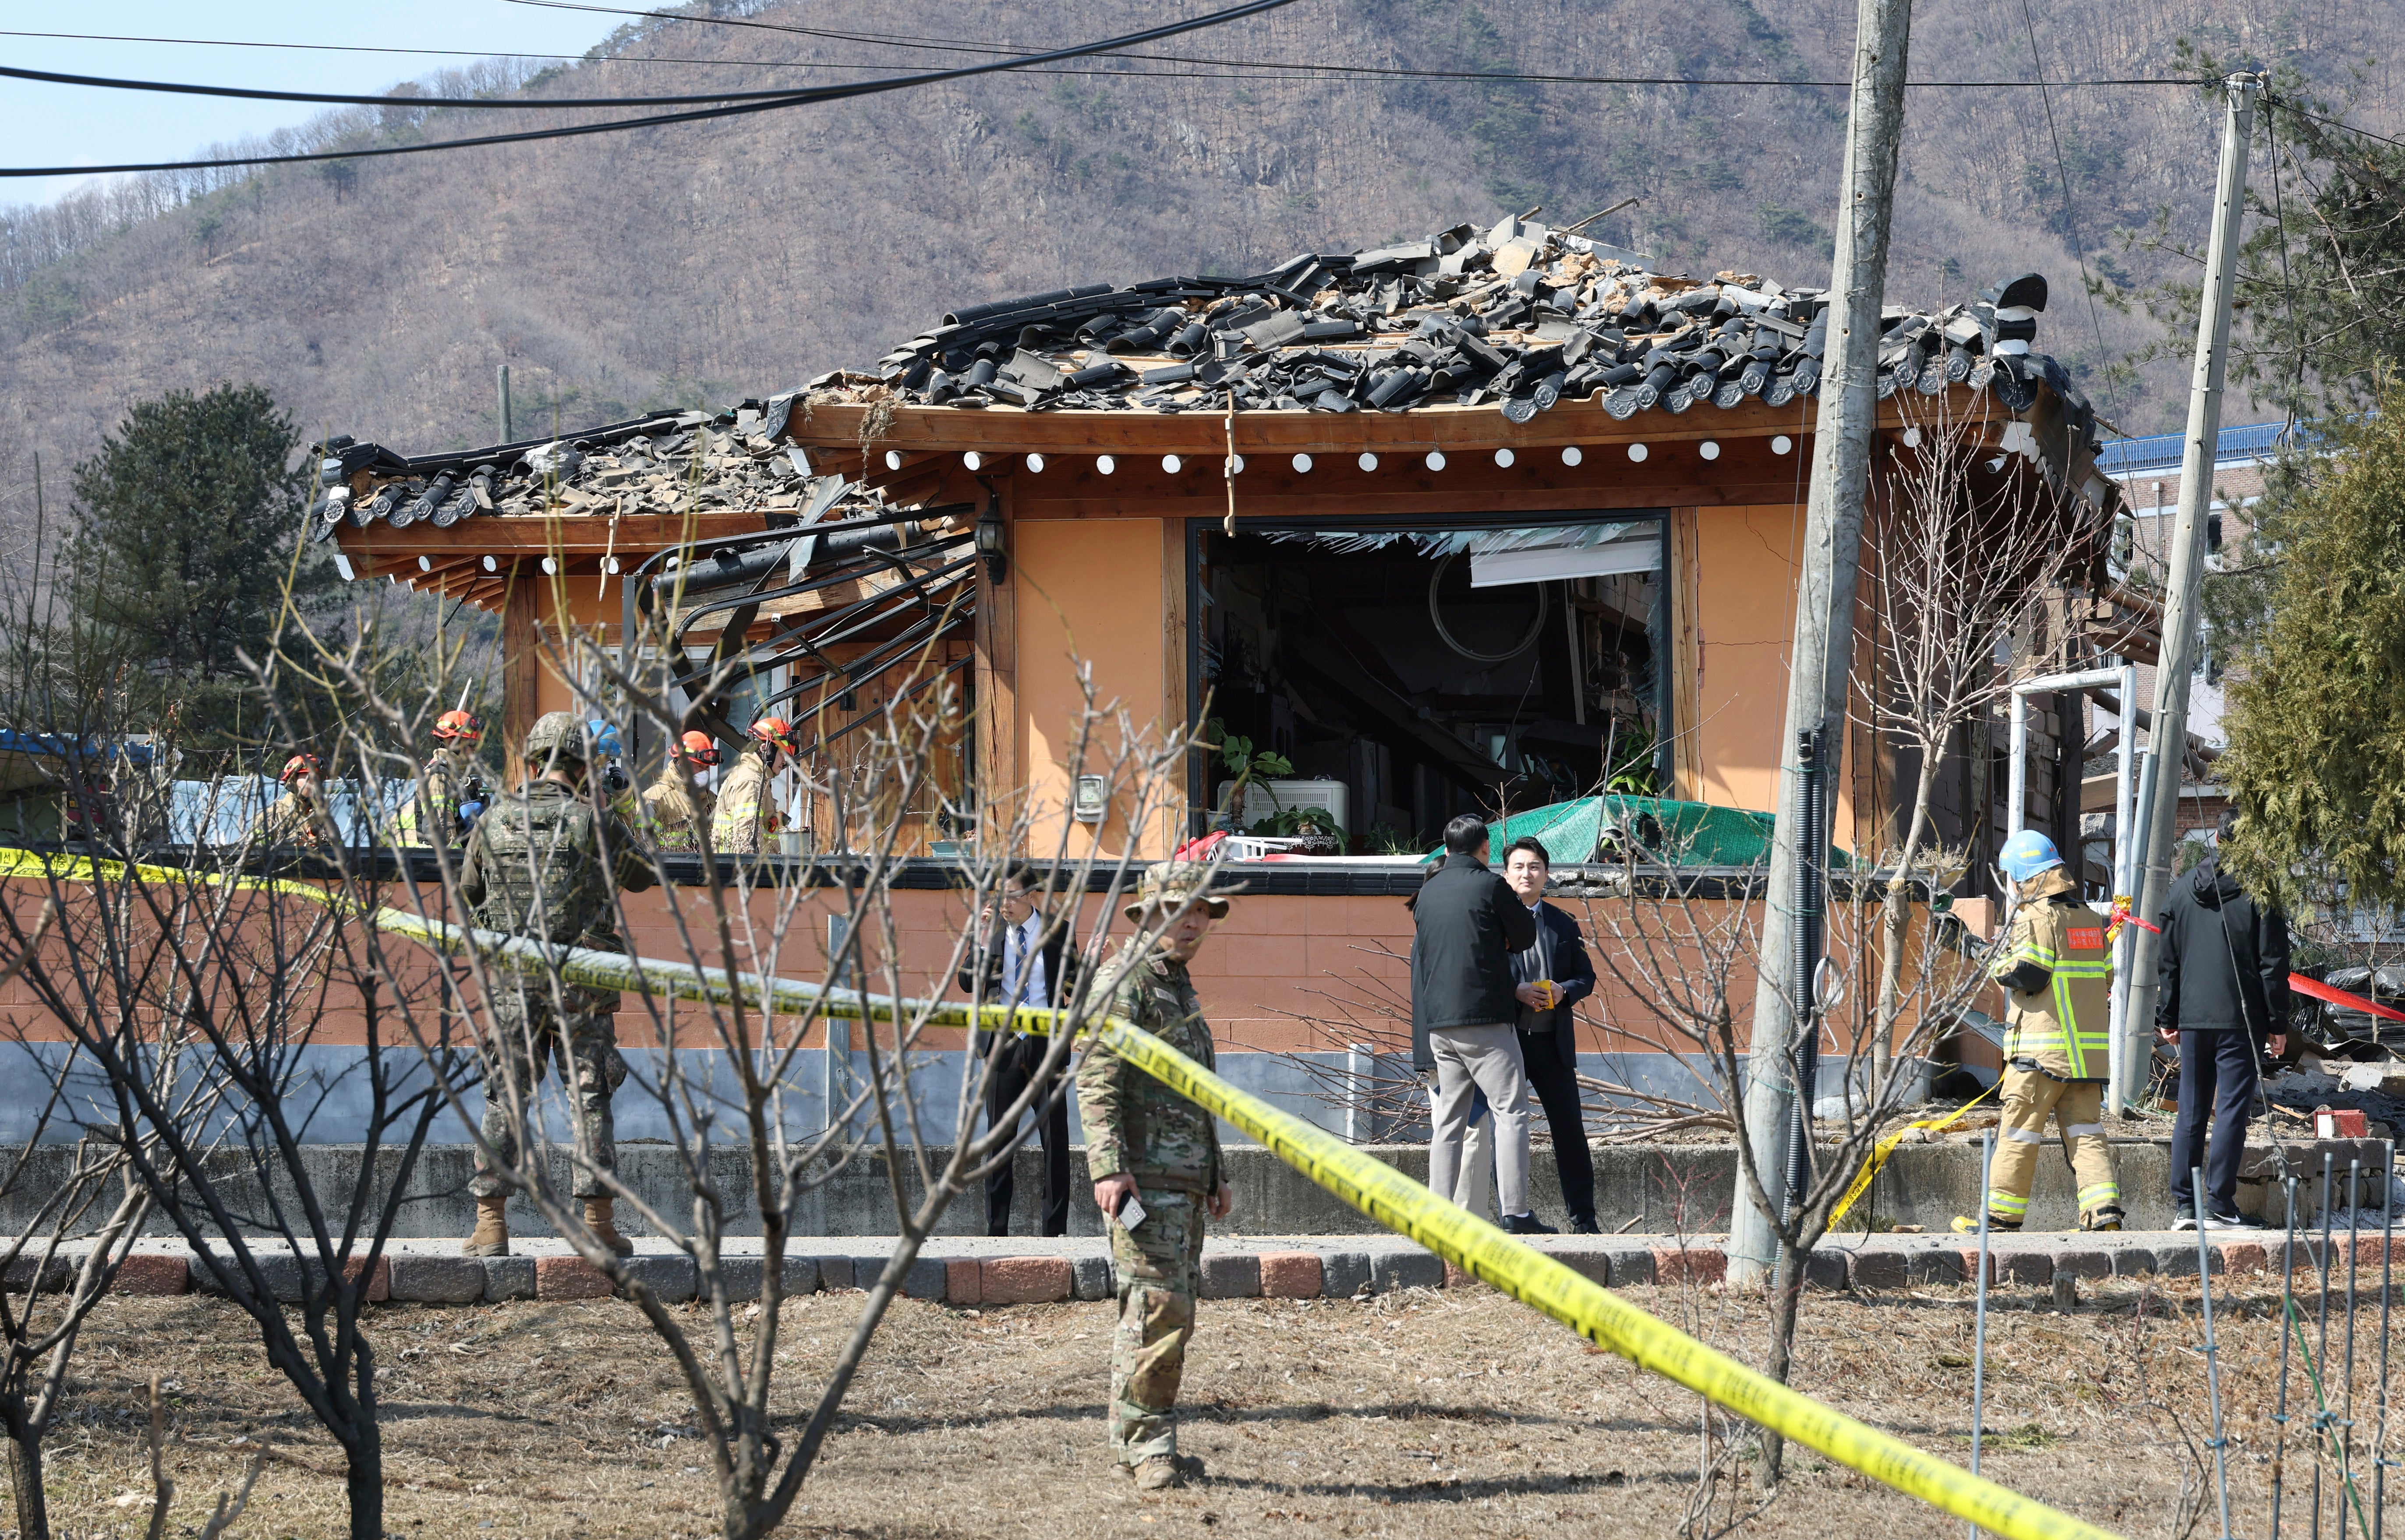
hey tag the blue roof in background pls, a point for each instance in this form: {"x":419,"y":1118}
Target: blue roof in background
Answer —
{"x":2240,"y":445}
{"x":14,"y":742}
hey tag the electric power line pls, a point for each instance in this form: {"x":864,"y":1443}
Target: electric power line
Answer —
{"x":799,"y":98}
{"x":2070,"y":214}
{"x":248,"y":93}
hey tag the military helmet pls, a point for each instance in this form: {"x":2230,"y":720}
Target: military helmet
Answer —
{"x":1172,"y":886}
{"x":556,"y":736}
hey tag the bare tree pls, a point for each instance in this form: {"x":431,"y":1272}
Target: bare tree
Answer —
{"x":1964,"y":561}
{"x":64,"y":1264}
{"x":196,"y":995}
{"x":726,"y":1035}
{"x":1685,"y":941}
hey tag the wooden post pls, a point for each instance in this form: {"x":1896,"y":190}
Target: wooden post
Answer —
{"x":521,"y":660}
{"x":996,"y":698}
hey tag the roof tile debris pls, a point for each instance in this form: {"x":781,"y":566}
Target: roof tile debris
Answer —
{"x":669,"y":463}
{"x":1517,"y":316}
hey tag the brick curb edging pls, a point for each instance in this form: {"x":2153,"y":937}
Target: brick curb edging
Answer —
{"x":1304,"y":1267}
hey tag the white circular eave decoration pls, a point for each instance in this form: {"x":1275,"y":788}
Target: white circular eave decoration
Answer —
{"x":893,"y":460}
{"x":610,"y":565}
{"x":1368,"y":461}
{"x":1105,"y":464}
{"x":1573,"y":455}
{"x":974,"y":460}
{"x":1709,"y":449}
{"x":1237,"y":465}
{"x":1035,"y":464}
{"x":1637,"y":452}
{"x":1781,"y":444}
{"x":426,"y":563}
{"x":1912,"y":437}
{"x":1303,"y":464}
{"x":1436,"y":459}
{"x":550,"y":566}
{"x":1173,"y":463}
{"x":1504,"y":457}
{"x":492,"y":563}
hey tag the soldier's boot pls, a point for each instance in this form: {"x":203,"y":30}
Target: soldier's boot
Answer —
{"x":1160,"y":1472}
{"x":598,"y":1219}
{"x":492,"y":1234}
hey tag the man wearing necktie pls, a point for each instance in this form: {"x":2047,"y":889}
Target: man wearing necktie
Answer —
{"x":1025,"y":960}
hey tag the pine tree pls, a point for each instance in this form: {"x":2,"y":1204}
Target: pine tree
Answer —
{"x":188,"y":519}
{"x":2316,"y":708}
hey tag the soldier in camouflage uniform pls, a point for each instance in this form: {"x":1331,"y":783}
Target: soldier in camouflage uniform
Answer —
{"x":547,"y":863}
{"x":1149,"y":1147}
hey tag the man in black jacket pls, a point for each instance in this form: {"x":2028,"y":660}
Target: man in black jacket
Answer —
{"x":2222,"y":995}
{"x":1025,"y":959}
{"x":1548,"y":1031}
{"x":1464,"y":1005}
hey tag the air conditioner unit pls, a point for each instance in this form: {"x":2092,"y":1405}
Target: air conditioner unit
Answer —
{"x":1333,"y":797}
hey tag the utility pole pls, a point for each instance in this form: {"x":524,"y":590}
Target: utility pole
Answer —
{"x":2158,"y":791}
{"x":501,"y":384}
{"x":1822,"y":657}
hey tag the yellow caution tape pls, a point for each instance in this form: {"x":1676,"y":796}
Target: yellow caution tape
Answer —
{"x":1370,"y":1185}
{"x":1886,"y":1147}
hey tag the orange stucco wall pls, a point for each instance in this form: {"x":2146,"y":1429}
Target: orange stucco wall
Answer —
{"x":1744,"y":602}
{"x":1089,"y":594}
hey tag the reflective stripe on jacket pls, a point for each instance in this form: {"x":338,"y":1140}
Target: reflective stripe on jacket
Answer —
{"x":2061,"y":1024}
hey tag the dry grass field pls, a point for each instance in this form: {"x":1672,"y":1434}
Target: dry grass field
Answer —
{"x":1412,"y":1414}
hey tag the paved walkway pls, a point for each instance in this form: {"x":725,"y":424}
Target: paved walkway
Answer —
{"x":1019,"y":1271}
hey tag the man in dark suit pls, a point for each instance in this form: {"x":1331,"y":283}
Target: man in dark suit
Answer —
{"x":1024,"y":959}
{"x":1548,"y":1031}
{"x":1467,"y":927}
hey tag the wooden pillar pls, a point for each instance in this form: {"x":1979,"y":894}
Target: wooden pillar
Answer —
{"x":996,"y":696}
{"x":521,"y":666}
{"x":1176,"y":705}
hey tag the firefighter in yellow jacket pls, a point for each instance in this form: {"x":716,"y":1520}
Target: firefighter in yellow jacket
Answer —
{"x":2057,"y":974}
{"x":746,"y":821}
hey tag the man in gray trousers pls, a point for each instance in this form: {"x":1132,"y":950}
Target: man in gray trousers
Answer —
{"x":1464,"y":1008}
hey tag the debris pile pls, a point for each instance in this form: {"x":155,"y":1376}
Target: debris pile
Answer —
{"x":669,"y":463}
{"x":1518,"y":316}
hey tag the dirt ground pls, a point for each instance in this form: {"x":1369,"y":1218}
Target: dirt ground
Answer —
{"x":1408,"y":1415}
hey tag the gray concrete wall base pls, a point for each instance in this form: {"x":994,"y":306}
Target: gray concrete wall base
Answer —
{"x":1659,"y":1189}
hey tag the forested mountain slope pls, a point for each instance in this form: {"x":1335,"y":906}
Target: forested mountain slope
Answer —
{"x":719,"y":260}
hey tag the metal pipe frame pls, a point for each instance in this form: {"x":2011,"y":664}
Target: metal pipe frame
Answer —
{"x":2121,"y":1035}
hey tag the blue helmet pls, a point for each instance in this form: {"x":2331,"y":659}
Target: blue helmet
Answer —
{"x":605,"y":737}
{"x":2027,"y":854}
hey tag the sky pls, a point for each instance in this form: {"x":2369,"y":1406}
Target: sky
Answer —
{"x":48,"y":125}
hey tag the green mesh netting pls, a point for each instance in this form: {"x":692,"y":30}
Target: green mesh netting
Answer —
{"x":1673,"y":833}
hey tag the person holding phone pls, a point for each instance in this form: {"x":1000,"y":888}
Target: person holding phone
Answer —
{"x":1549,"y":979}
{"x":1155,"y":1160}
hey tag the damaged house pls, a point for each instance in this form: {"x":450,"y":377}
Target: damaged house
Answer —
{"x":1497,"y":518}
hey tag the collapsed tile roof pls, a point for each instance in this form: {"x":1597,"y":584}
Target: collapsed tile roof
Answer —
{"x":675,"y":462}
{"x":1518,"y":317}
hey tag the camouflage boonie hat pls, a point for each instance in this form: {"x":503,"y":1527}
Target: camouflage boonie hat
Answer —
{"x":556,"y":736}
{"x":1174,"y":884}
